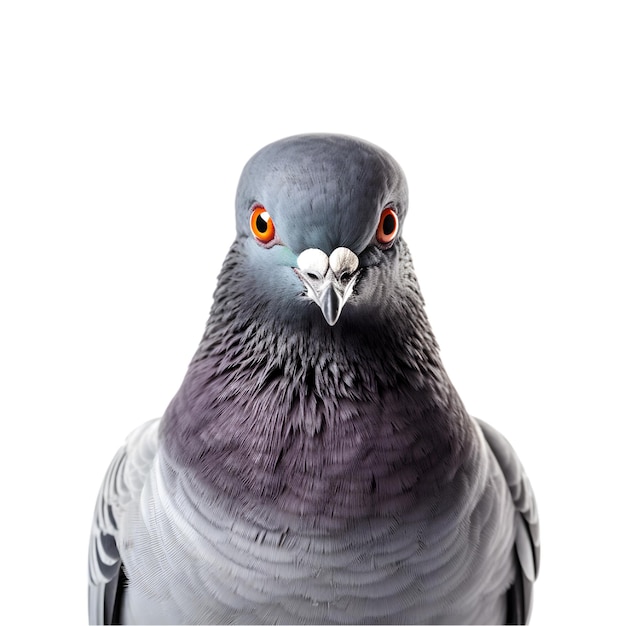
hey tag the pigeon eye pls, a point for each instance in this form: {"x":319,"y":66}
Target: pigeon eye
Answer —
{"x":387,"y":226}
{"x":261,"y":225}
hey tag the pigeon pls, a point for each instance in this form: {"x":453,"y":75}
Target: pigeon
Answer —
{"x":316,"y":464}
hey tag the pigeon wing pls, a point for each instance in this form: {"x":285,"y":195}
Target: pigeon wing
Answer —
{"x":122,"y":484}
{"x":526,"y":526}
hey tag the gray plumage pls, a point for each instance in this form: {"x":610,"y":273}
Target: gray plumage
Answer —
{"x":316,"y":465}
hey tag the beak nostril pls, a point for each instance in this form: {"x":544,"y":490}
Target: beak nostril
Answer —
{"x":343,"y":262}
{"x":313,"y":263}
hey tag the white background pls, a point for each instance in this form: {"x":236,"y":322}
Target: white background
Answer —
{"x":123,"y":130}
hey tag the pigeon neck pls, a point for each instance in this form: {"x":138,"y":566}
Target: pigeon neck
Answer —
{"x":262,"y":407}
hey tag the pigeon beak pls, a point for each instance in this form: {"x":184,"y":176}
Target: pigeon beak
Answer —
{"x":329,"y":280}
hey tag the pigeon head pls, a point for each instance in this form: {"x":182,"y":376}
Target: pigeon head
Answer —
{"x":317,"y":215}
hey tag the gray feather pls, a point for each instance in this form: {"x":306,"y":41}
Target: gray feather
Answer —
{"x":122,"y":484}
{"x":526,"y":524}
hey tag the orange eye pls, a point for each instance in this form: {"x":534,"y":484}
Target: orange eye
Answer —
{"x":261,"y":225}
{"x":387,"y":226}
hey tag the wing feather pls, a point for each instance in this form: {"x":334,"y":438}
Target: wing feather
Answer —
{"x":122,"y":484}
{"x":526,"y":525}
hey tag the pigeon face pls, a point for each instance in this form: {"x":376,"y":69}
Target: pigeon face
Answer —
{"x":319,"y":214}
